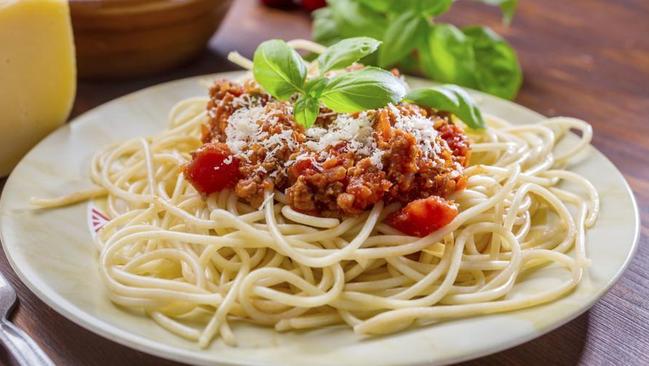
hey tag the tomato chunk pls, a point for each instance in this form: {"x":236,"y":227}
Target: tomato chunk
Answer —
{"x":212,"y":169}
{"x":301,"y":167}
{"x":423,"y":216}
{"x":457,"y":142}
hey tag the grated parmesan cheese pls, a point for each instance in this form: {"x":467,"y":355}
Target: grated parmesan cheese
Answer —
{"x":422,"y":128}
{"x":246,"y":100}
{"x":244,"y":130}
{"x":357,"y":132}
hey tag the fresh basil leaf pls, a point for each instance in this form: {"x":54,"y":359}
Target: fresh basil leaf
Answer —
{"x":400,"y":6}
{"x":377,"y":5}
{"x":447,"y":55}
{"x":325,"y":28}
{"x":315,"y":87}
{"x":306,"y":110}
{"x":424,"y":7}
{"x":497,"y":68}
{"x":356,"y":91}
{"x":279,"y":69}
{"x":355,"y":19}
{"x":370,"y":60}
{"x":400,"y":37}
{"x":346,"y":52}
{"x":468,"y":112}
{"x":449,"y":98}
{"x":508,"y":8}
{"x":437,"y":97}
{"x":434,"y":7}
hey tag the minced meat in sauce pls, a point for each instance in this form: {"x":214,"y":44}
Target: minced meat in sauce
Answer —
{"x":341,"y":166}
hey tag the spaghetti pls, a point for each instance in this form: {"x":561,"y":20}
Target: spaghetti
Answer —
{"x":197,"y":265}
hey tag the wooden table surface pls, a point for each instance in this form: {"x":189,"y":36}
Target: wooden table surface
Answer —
{"x":582,"y":58}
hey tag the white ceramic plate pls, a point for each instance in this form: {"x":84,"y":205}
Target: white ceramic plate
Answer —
{"x":53,"y":254}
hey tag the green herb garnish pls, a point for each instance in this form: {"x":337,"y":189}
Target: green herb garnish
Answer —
{"x":475,"y":57}
{"x":497,"y":76}
{"x":449,"y":98}
{"x":282,"y":72}
{"x":346,"y":52}
{"x":360,"y":90}
{"x":279,"y":69}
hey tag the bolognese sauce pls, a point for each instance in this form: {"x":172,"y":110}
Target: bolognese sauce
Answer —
{"x":341,"y":166}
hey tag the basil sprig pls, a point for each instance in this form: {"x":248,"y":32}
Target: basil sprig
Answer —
{"x":346,"y":52}
{"x":369,"y":88}
{"x":410,"y":39}
{"x":279,"y":69}
{"x":306,"y":110}
{"x":497,"y":76}
{"x":282,"y":73}
{"x":449,"y":98}
{"x":400,"y":37}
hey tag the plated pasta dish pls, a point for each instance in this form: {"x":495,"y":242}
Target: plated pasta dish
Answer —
{"x":321,"y":193}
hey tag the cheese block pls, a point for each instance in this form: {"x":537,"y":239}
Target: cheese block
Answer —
{"x":37,"y":74}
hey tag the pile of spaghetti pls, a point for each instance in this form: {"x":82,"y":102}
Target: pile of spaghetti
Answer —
{"x":198,"y":263}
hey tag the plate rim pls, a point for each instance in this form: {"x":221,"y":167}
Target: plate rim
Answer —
{"x":139,"y":343}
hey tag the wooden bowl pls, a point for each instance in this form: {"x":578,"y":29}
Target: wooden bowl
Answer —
{"x":126,"y":38}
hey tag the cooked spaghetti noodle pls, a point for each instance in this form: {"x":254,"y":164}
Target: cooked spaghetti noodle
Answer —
{"x":197,"y":265}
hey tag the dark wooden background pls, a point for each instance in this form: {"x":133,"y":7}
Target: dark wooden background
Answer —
{"x":582,"y":58}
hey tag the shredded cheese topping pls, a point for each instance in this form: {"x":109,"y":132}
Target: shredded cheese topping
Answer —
{"x":244,"y":130}
{"x":423,"y":129}
{"x":356,"y":131}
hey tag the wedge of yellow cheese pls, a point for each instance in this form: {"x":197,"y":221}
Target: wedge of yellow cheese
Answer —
{"x":37,"y":74}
